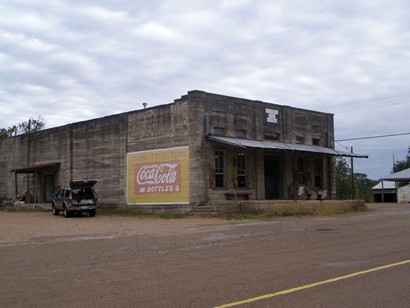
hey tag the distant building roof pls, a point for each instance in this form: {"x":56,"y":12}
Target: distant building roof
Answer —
{"x":386,"y":185}
{"x":403,"y":175}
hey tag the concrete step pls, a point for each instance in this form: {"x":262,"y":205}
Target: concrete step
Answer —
{"x":217,"y":207}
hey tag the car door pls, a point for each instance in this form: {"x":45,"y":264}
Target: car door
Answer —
{"x":58,"y":199}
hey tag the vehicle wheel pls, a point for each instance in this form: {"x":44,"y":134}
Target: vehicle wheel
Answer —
{"x":66,"y":213}
{"x":91,"y":213}
{"x":55,"y":211}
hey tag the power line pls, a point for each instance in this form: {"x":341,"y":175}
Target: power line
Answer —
{"x":373,"y":137}
{"x":370,"y":103}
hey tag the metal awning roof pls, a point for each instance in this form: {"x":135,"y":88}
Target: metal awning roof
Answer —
{"x":37,"y":168}
{"x":403,"y":175}
{"x":387,"y":185}
{"x":247,"y":143}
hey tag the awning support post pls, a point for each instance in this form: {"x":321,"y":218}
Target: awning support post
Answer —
{"x":15,"y":183}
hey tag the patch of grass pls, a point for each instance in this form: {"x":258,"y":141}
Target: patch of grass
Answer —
{"x":259,"y":216}
{"x":22,"y":209}
{"x":283,"y":214}
{"x":335,"y":211}
{"x":141,"y":214}
{"x":7,"y":209}
{"x":132,"y":212}
{"x":237,"y":216}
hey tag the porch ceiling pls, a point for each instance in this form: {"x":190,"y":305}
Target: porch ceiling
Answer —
{"x":247,"y":143}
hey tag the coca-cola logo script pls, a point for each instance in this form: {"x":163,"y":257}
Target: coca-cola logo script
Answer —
{"x":164,"y":177}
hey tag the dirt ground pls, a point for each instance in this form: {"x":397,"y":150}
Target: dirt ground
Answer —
{"x":40,"y":226}
{"x":110,"y":261}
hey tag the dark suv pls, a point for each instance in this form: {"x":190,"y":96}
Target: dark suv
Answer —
{"x":79,"y":197}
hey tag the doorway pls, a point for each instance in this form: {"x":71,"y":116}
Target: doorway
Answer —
{"x":49,"y":187}
{"x":273,"y":179}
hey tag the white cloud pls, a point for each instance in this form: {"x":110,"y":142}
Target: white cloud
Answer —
{"x":106,"y":57}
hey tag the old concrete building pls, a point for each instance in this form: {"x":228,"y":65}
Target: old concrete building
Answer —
{"x":201,"y":147}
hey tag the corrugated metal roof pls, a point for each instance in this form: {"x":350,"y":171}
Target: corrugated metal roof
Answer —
{"x":403,"y":175}
{"x":248,"y":143}
{"x":386,"y":185}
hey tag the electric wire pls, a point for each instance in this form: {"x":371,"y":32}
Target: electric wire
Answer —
{"x":373,"y":137}
{"x":367,"y":104}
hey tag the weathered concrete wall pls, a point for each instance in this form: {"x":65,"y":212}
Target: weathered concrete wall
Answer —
{"x":9,"y":153}
{"x":403,"y":194}
{"x":98,"y":151}
{"x":98,"y":148}
{"x":247,"y":119}
{"x":158,"y":127}
{"x":90,"y":149}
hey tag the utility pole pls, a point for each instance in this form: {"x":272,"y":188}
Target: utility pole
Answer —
{"x":351,"y":168}
{"x":28,"y":196}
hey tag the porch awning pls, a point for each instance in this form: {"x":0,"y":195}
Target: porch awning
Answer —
{"x":247,"y":143}
{"x":37,"y":168}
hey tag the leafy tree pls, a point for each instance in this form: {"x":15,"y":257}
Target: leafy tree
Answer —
{"x":31,"y":125}
{"x":362,"y":185}
{"x":343,"y":180}
{"x":402,"y":164}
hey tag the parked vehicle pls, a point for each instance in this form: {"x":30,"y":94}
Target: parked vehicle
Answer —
{"x":79,"y":197}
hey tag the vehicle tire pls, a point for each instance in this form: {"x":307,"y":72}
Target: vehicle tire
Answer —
{"x":55,"y":211}
{"x":66,"y":213}
{"x":92,"y":213}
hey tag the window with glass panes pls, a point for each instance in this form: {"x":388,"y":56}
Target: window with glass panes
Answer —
{"x":241,"y":165}
{"x":219,"y":168}
{"x":301,"y":170}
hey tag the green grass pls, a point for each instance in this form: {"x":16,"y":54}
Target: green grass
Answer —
{"x":141,"y":214}
{"x":276,"y":214}
{"x":133,"y":212}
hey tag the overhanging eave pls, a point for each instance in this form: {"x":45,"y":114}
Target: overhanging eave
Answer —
{"x":37,"y":168}
{"x":273,"y":145}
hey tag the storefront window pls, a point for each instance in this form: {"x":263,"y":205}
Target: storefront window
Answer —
{"x":241,"y":164}
{"x":219,"y":168}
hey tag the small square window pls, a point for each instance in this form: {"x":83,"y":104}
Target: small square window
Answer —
{"x":316,"y":141}
{"x":300,"y":140}
{"x":219,"y":131}
{"x":271,"y":136}
{"x":240,"y":133}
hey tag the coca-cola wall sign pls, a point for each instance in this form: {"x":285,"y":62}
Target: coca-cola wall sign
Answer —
{"x":158,"y":176}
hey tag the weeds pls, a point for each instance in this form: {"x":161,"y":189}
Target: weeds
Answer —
{"x":141,"y":214}
{"x":132,"y":212}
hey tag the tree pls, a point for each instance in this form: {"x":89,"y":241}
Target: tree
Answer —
{"x":32,"y":125}
{"x":362,"y":185}
{"x":402,"y":164}
{"x":343,"y":180}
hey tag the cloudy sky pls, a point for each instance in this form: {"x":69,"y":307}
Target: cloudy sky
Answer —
{"x":69,"y":60}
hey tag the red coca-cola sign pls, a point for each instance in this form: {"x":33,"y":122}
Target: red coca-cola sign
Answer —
{"x":157,"y":178}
